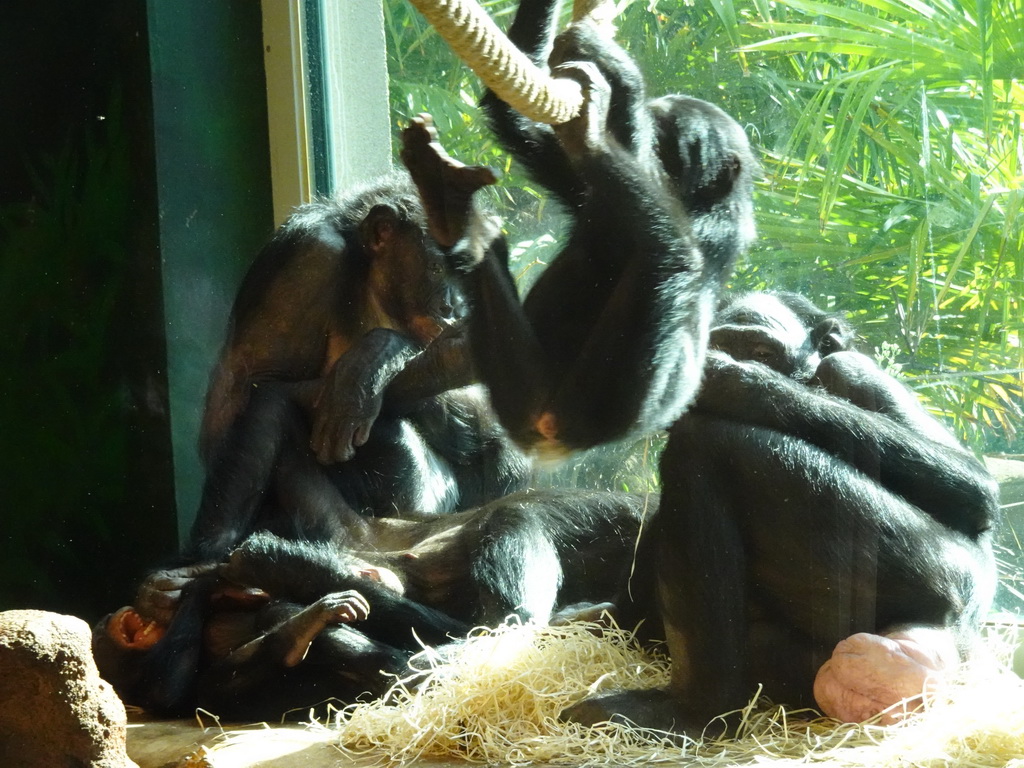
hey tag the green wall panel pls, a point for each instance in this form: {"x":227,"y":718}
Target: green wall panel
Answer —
{"x":213,"y":180}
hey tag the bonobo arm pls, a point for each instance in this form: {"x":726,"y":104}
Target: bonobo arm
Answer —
{"x":296,"y":571}
{"x":444,"y":365}
{"x":287,"y":642}
{"x":304,"y":572}
{"x":351,"y":393}
{"x":857,"y":378}
{"x":936,"y":475}
{"x":534,"y":144}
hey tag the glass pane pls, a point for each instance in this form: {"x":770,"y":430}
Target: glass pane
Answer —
{"x":890,"y":140}
{"x":316,"y":78}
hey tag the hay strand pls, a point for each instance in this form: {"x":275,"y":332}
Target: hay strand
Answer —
{"x":495,"y":698}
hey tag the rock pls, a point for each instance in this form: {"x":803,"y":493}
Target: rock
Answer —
{"x":55,"y":710}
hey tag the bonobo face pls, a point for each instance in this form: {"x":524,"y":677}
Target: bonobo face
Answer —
{"x":760,"y":328}
{"x":421,"y":286}
{"x":118,"y":645}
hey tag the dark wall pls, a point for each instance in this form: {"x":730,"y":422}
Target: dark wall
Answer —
{"x":90,"y":241}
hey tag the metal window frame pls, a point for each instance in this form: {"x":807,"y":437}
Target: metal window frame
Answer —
{"x":327,"y":97}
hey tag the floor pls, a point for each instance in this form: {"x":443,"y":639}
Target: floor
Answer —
{"x":191,"y":744}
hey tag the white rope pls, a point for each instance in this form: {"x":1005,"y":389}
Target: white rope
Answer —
{"x":503,"y":68}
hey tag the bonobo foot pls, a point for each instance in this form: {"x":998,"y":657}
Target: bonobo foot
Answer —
{"x":585,"y":133}
{"x":592,"y":613}
{"x":868,"y":674}
{"x":446,"y":186}
{"x":655,"y":710}
{"x":336,"y":608}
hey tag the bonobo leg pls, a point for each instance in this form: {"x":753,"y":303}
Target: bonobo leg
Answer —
{"x":475,"y":449}
{"x":516,"y":566}
{"x":397,"y":473}
{"x":266,"y":449}
{"x":769,"y":552}
{"x":477,"y":247}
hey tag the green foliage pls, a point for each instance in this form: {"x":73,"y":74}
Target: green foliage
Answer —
{"x":899,"y":174}
{"x":890,"y":138}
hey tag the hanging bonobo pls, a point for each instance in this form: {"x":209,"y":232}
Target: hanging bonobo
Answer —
{"x":338,"y":385}
{"x":819,"y":533}
{"x":610,"y":340}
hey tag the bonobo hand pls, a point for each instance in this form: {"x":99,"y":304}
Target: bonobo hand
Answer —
{"x":585,"y":132}
{"x":729,"y":384}
{"x":158,"y":595}
{"x":344,"y":411}
{"x":334,"y":608}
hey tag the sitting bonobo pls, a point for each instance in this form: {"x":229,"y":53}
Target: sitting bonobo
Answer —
{"x":342,"y":384}
{"x":819,"y":533}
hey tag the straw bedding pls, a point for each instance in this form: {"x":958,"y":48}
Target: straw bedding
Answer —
{"x":495,"y":699}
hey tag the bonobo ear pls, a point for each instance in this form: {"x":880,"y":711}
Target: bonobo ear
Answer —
{"x":379,"y":226}
{"x":831,"y":335}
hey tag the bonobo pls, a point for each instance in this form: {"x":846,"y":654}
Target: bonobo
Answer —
{"x":285,"y":624}
{"x":244,"y":651}
{"x":350,"y":300}
{"x":819,"y":533}
{"x":610,"y":340}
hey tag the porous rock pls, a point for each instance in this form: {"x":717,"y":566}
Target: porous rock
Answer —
{"x":55,"y":710}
